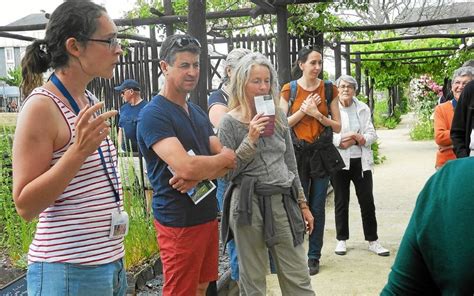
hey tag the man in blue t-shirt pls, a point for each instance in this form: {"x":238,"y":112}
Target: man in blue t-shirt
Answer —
{"x":127,"y":135}
{"x":170,"y":130}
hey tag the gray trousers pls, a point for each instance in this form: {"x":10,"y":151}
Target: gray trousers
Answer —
{"x":290,"y":261}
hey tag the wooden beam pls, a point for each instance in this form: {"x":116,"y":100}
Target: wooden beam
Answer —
{"x":348,"y":59}
{"x":155,"y":67}
{"x":428,"y":36}
{"x":358,"y":72}
{"x":133,"y":37}
{"x":403,"y":50}
{"x":337,"y":59}
{"x":168,"y":19}
{"x":282,"y":45}
{"x":287,"y":2}
{"x":16,"y":36}
{"x":447,"y":21}
{"x":168,"y":6}
{"x":401,"y":59}
{"x":197,"y":28}
{"x":267,"y":7}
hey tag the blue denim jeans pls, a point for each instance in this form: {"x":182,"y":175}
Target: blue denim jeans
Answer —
{"x":234,"y":262}
{"x":316,"y":192}
{"x":221,"y":187}
{"x":64,"y":279}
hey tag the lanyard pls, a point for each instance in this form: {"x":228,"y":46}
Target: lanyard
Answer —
{"x":55,"y":80}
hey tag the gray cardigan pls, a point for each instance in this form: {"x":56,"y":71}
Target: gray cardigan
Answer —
{"x":272,"y":161}
{"x":262,"y":169}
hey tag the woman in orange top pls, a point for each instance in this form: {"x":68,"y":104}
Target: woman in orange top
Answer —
{"x":308,"y":115}
{"x":443,"y":117}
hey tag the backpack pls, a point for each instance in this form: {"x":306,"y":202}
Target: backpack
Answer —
{"x":326,"y":134}
{"x":327,"y":93}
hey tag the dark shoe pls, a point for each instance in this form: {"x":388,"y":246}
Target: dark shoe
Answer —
{"x":313,"y":265}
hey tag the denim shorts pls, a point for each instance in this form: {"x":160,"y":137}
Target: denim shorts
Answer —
{"x":64,"y":279}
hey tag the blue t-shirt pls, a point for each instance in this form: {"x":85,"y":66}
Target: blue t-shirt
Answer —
{"x":128,"y":122}
{"x":162,"y":119}
{"x":217,"y":97}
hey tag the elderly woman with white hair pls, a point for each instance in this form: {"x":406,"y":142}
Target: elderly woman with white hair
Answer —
{"x":354,"y":144}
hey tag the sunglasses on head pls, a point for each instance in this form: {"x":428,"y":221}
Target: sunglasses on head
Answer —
{"x":185,"y":41}
{"x":307,"y":49}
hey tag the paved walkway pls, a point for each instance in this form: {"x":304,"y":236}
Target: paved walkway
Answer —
{"x":397,"y":183}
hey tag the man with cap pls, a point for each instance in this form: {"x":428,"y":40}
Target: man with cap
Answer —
{"x":127,"y":137}
{"x":133,"y":104}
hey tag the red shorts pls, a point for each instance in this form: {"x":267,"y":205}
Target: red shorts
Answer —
{"x":189,"y":256}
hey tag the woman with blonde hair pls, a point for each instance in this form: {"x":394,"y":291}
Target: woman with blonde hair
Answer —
{"x":264,"y":205}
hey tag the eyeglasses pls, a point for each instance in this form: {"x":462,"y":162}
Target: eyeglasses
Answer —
{"x":185,"y":41}
{"x":346,"y":86}
{"x":112,"y":42}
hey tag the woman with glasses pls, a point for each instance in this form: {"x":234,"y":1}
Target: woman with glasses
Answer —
{"x":64,"y":163}
{"x":265,"y":205}
{"x":354,"y":144}
{"x":308,"y":116}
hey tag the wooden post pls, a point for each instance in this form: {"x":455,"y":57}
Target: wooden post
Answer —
{"x":348,"y":59}
{"x":168,"y":6}
{"x":358,"y":72}
{"x":319,"y":42}
{"x":371,"y":96}
{"x":283,"y":50}
{"x":155,"y":66}
{"x":197,"y":28}
{"x":337,"y":59}
{"x":368,"y":90}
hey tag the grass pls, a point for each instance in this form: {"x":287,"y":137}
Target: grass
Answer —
{"x":423,"y":130}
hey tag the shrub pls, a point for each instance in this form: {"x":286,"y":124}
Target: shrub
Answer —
{"x":378,"y":159}
{"x":423,"y":130}
{"x":16,"y":234}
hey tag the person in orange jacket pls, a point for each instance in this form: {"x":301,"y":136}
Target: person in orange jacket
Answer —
{"x":443,"y":117}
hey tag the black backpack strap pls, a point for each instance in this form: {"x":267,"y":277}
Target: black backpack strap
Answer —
{"x":293,"y":91}
{"x":328,"y":94}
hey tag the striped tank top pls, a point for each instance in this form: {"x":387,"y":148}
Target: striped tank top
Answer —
{"x":75,"y":229}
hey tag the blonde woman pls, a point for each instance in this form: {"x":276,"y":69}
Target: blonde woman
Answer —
{"x":265,"y":205}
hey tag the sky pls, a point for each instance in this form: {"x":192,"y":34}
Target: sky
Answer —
{"x":20,"y":8}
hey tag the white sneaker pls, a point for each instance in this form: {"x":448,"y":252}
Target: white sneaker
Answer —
{"x":341,"y":248}
{"x":377,"y":248}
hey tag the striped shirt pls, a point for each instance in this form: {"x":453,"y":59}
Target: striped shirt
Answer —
{"x":75,"y":229}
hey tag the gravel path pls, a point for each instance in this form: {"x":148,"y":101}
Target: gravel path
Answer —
{"x":397,"y":183}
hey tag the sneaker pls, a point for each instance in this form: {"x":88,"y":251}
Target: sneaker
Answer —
{"x":377,"y":248}
{"x":313,"y":265}
{"x":341,"y":248}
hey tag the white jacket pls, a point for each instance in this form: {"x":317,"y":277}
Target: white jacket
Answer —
{"x":366,"y":129}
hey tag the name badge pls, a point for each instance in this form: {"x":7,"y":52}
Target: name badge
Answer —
{"x":119,"y":225}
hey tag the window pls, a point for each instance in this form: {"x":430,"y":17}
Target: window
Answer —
{"x":9,"y":57}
